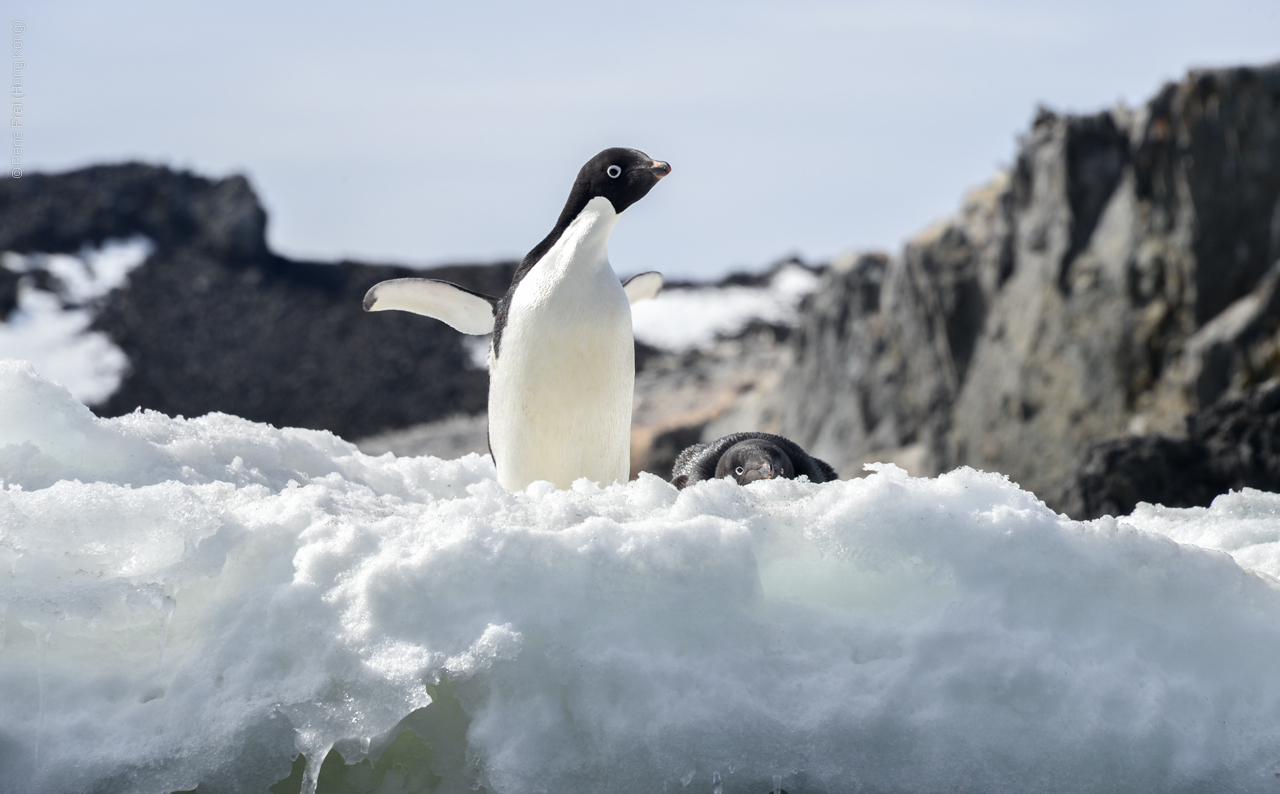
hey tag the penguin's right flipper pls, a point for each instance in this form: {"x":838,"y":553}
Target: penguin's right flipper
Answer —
{"x":643,"y":286}
{"x":467,"y":311}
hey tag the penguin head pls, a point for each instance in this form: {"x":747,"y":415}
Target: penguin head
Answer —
{"x":755,"y":459}
{"x":623,"y":176}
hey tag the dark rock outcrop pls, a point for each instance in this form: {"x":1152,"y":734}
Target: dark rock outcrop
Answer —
{"x":288,"y":343}
{"x":213,"y":321}
{"x":1114,"y":281}
{"x":8,"y":293}
{"x":1233,"y":444}
{"x":62,"y":213}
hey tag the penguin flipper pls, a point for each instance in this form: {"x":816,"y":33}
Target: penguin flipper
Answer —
{"x":467,"y":311}
{"x":643,"y":286}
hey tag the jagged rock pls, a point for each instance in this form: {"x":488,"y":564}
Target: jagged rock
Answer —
{"x":8,"y":293}
{"x":1233,"y":444}
{"x":1048,"y":371}
{"x":829,"y":395}
{"x":884,"y":345}
{"x":286,"y":343}
{"x":1237,"y":348}
{"x":64,"y":212}
{"x":1060,"y":306}
{"x":213,"y":321}
{"x":1241,"y":434}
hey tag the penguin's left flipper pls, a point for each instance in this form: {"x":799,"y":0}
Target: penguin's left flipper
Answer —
{"x":642,"y":287}
{"x":467,"y":311}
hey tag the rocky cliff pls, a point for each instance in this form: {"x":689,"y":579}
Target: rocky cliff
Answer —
{"x":1118,"y":279}
{"x":214,"y":321}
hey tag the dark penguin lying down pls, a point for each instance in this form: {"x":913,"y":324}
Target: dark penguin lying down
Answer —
{"x":747,"y":457}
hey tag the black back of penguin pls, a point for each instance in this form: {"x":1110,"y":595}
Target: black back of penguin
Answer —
{"x":747,"y":457}
{"x":621,"y":175}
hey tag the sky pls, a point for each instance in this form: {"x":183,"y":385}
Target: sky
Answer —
{"x":438,"y":132}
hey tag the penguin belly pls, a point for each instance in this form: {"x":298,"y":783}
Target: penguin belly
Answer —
{"x":562,"y":382}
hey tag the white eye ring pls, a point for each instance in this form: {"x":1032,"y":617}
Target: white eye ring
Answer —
{"x":738,"y":471}
{"x":613,"y":171}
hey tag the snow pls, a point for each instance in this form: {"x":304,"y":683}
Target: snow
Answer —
{"x":196,"y":600}
{"x":686,"y":318}
{"x":49,"y":329}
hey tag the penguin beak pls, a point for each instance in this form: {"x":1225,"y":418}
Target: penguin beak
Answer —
{"x":660,"y":169}
{"x":766,"y":471}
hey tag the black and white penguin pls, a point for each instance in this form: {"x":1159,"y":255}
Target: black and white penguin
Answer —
{"x":748,"y":457}
{"x":562,"y":361}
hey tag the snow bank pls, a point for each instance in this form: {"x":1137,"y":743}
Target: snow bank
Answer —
{"x":49,"y":326}
{"x":192,"y":601}
{"x":685,"y":318}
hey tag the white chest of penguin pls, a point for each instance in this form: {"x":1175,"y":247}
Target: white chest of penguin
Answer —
{"x":561,"y":386}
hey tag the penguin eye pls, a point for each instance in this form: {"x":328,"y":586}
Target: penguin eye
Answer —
{"x":738,"y":471}
{"x":613,"y":171}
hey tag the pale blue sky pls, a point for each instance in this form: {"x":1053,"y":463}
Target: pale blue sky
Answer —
{"x":452,"y":131}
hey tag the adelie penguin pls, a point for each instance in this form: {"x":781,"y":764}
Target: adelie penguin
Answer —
{"x":562,"y":362}
{"x":747,"y":457}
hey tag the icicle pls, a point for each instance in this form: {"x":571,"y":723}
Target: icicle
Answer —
{"x":777,"y":784}
{"x":687,"y":779}
{"x":311,"y":776}
{"x":716,"y":786}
